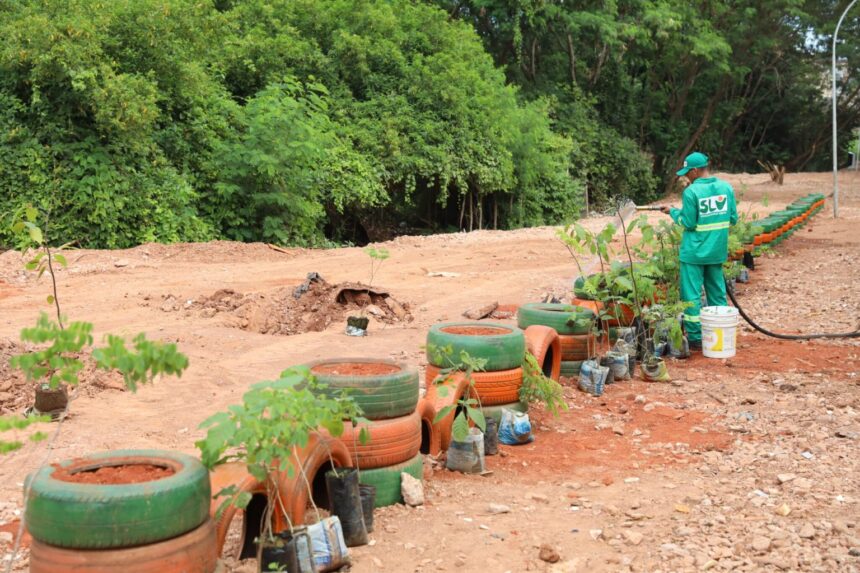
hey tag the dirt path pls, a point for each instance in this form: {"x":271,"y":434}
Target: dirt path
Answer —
{"x":675,"y":477}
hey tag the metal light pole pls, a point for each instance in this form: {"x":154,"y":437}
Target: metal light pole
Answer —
{"x":835,"y":146}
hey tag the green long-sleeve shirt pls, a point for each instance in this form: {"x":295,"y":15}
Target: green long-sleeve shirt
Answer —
{"x":708,"y":209}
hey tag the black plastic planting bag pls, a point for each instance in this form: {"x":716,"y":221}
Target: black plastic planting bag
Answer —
{"x":345,"y":499}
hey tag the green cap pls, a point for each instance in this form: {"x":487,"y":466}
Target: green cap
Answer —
{"x":695,"y":160}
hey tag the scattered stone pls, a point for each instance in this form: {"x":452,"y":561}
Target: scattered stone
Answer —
{"x":6,"y":538}
{"x":497,"y":508}
{"x":619,"y":430}
{"x":412,"y":490}
{"x":783,"y":510}
{"x":807,"y":531}
{"x":847,"y":433}
{"x":760,"y":543}
{"x":548,"y":554}
{"x":121,"y":263}
{"x":537,"y":497}
{"x":631,"y":480}
{"x":681,"y":508}
{"x":633,"y":537}
{"x":595,"y":533}
{"x":785,"y":478}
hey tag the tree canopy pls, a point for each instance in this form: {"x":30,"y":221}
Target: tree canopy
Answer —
{"x":310,"y":121}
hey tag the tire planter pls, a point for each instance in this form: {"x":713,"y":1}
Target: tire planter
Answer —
{"x":391,"y":442}
{"x":502,"y":346}
{"x":571,"y":369}
{"x":387,"y":480}
{"x":543,"y":343}
{"x":495,"y":412}
{"x":293,"y":491}
{"x":192,"y":552}
{"x":427,"y":411}
{"x":498,"y":387}
{"x":93,"y":516}
{"x":623,"y":314}
{"x":555,"y":316}
{"x":380,"y":396}
{"x":456,"y":386}
{"x":577,"y":346}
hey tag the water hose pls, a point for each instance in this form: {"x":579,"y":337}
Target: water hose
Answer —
{"x":731,"y":292}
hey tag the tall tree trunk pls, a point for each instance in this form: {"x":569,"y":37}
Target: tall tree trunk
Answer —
{"x":572,"y":57}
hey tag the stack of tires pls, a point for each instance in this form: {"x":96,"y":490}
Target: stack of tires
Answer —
{"x":497,"y":386}
{"x":151,"y":517}
{"x":573,"y":324}
{"x":387,"y":393}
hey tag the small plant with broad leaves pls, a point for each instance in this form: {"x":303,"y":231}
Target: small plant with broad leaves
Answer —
{"x":57,"y":360}
{"x":274,"y":420}
{"x":468,"y":408}
{"x":537,"y":387}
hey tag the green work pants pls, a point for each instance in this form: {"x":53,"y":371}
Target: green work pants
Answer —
{"x":692,"y":278}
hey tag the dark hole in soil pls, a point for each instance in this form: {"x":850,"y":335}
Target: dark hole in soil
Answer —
{"x":253,"y":524}
{"x":356,"y":369}
{"x":113,"y":475}
{"x":547,"y":362}
{"x":476,"y":330}
{"x":425,"y":437}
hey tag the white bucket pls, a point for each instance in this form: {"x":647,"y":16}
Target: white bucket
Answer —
{"x":719,"y":331}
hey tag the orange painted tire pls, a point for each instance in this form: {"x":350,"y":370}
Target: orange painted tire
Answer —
{"x":623,"y":314}
{"x":292,"y":491}
{"x":427,"y":411}
{"x":392,"y":441}
{"x":592,"y":305}
{"x":577,"y":347}
{"x":192,"y":552}
{"x":457,"y":386}
{"x":542,"y":342}
{"x":499,"y":387}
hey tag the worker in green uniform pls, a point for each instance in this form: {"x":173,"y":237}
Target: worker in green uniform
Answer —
{"x":708,"y":209}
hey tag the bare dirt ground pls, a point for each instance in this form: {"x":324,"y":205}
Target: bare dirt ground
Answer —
{"x":747,"y":464}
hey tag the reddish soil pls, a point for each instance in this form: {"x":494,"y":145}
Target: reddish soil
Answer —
{"x":114,"y":475}
{"x":356,"y":369}
{"x":12,"y":527}
{"x":476,"y":330}
{"x":711,"y":441}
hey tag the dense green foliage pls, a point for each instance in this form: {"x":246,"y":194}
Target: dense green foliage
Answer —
{"x":744,"y":81}
{"x":304,"y":121}
{"x":286,"y":121}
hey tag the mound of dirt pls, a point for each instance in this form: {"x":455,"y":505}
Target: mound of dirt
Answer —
{"x":311,"y":307}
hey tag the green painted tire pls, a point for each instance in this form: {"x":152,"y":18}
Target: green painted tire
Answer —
{"x":495,"y":412}
{"x":92,"y":516}
{"x":570,"y":369}
{"x":380,"y":396}
{"x":557,"y":316}
{"x":503,"y":351}
{"x":387,"y":480}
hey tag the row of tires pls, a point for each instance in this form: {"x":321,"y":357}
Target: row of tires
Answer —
{"x":168,"y":524}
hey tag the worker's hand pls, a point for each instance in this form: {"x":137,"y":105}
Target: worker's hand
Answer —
{"x":665,"y":209}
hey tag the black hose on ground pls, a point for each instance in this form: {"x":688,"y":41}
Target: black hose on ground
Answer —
{"x":731,"y":292}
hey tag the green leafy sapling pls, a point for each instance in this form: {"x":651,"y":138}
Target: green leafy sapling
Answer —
{"x":275,"y":419}
{"x":538,"y":387}
{"x":56,"y":361}
{"x":377,"y":257}
{"x":468,"y":407}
